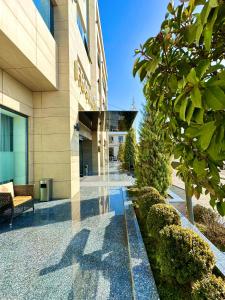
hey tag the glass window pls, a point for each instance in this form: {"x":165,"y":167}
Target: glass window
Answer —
{"x":13,"y":147}
{"x":111,"y":139}
{"x":45,"y":8}
{"x":120,"y":139}
{"x":83,"y":33}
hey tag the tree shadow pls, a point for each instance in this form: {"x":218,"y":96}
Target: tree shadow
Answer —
{"x":108,"y":265}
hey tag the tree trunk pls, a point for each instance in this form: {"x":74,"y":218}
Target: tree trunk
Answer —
{"x":189,"y":204}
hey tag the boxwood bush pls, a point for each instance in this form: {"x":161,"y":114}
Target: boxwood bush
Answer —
{"x":159,"y":216}
{"x":145,"y":202}
{"x":183,"y":255}
{"x":140,"y":191}
{"x":209,"y":288}
{"x":204,"y":215}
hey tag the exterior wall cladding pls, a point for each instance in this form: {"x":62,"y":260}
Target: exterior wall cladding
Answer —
{"x":49,"y":79}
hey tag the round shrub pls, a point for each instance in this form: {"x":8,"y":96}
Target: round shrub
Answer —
{"x":183,"y":255}
{"x":204,"y":215}
{"x":145,"y":202}
{"x":159,"y":216}
{"x":210,"y":288}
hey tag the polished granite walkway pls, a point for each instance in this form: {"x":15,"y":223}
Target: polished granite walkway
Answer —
{"x":69,"y":249}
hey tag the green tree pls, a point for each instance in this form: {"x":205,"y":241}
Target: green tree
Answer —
{"x":130,"y":150}
{"x":184,"y":73}
{"x":153,"y":158}
{"x":121,"y":152}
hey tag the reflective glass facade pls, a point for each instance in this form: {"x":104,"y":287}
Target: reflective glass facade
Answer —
{"x":13,"y":147}
{"x":45,"y":8}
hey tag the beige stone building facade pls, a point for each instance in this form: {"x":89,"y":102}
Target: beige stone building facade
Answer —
{"x":52,"y":65}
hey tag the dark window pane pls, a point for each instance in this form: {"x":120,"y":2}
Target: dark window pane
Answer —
{"x":45,"y":9}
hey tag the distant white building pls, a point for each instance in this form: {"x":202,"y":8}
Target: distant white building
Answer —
{"x":115,"y":139}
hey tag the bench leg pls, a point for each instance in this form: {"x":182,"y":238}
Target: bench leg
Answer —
{"x":11,"y":218}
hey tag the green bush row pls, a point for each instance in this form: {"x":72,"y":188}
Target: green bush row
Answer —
{"x":182,"y":259}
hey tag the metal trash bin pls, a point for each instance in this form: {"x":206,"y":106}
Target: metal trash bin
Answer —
{"x":46,"y":189}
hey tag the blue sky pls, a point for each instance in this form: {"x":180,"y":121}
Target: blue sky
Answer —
{"x":125,"y":25}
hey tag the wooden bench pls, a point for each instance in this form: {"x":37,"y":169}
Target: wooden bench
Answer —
{"x":15,"y":199}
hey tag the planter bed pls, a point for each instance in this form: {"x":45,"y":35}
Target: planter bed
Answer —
{"x":204,"y":286}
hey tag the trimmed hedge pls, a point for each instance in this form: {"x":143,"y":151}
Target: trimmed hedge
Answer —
{"x":159,"y":216}
{"x":140,"y":191}
{"x":209,"y":288}
{"x":183,"y":255}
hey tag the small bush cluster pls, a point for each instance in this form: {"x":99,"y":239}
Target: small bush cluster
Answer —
{"x":181,"y":261}
{"x":209,"y":225}
{"x":204,"y":215}
{"x":210,"y":288}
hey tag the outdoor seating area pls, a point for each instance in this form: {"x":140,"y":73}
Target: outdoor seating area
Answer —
{"x":15,"y":199}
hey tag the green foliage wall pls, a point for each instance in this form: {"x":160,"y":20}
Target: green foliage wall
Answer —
{"x":153,"y":158}
{"x":130,"y":150}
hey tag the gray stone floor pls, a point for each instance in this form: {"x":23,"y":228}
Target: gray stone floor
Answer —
{"x":69,"y":249}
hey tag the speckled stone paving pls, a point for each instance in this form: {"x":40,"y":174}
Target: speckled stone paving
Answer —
{"x":68,"y":249}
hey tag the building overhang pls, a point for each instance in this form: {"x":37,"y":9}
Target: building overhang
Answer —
{"x":114,"y":121}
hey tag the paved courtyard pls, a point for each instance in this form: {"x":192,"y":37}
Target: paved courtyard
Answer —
{"x":69,"y":249}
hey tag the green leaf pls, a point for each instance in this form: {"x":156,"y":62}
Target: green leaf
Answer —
{"x":206,"y":133}
{"x":142,"y":73}
{"x":214,"y":171}
{"x":183,"y":108}
{"x":198,"y":116}
{"x":209,"y":29}
{"x":190,"y":111}
{"x":213,"y":3}
{"x":192,"y":78}
{"x":152,"y":65}
{"x":170,"y":8}
{"x":205,"y":13}
{"x":199,"y":167}
{"x":214,"y":151}
{"x":208,"y":36}
{"x":198,"y":32}
{"x":172,"y":82}
{"x":193,"y":131}
{"x":137,"y":65}
{"x":215,"y":82}
{"x":202,"y":67}
{"x":212,"y":201}
{"x":215,"y":98}
{"x":221,"y":208}
{"x":190,"y":33}
{"x":196,"y":97}
{"x":178,"y":100}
